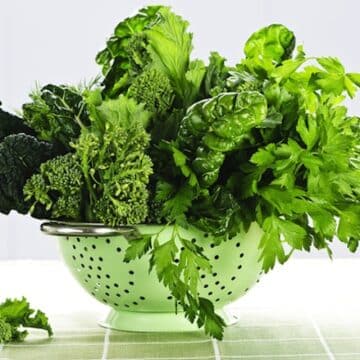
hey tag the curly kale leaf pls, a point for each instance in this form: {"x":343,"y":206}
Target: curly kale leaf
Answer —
{"x":113,"y":160}
{"x":57,"y":114}
{"x":11,"y":124}
{"x":20,"y":157}
{"x":17,"y":315}
{"x":153,"y":89}
{"x":58,"y":188}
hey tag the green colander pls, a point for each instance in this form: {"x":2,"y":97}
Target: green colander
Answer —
{"x":139,"y":302}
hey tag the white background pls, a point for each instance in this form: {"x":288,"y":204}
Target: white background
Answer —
{"x":56,"y":42}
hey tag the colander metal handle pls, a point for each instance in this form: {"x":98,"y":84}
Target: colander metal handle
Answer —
{"x":87,"y":229}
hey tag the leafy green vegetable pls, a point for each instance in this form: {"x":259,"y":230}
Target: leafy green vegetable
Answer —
{"x":268,"y":47}
{"x":112,"y":156}
{"x":17,"y":315}
{"x":11,"y":124}
{"x":170,"y":140}
{"x":219,"y":125}
{"x":125,"y":54}
{"x":56,"y":113}
{"x":217,"y":73}
{"x":153,"y":38}
{"x":153,"y":89}
{"x":58,"y":187}
{"x":20,"y":156}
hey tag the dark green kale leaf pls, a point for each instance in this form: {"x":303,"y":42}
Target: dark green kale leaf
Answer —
{"x":20,"y":157}
{"x":57,"y":114}
{"x":11,"y":124}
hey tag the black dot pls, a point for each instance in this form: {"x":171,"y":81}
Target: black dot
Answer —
{"x":74,"y":257}
{"x":229,"y":293}
{"x":216,"y":257}
{"x":98,"y":276}
{"x":107,"y":276}
{"x":116,"y":285}
{"x":135,"y":303}
{"x":131,"y":272}
{"x":247,"y":289}
{"x":89,"y":276}
{"x":239,"y":267}
{"x":90,"y":267}
{"x":169,"y":297}
{"x":223,"y":287}
{"x":212,"y":245}
{"x":233,"y":278}
{"x":94,"y":247}
{"x":257,"y":280}
{"x":108,"y":241}
{"x":118,"y":295}
{"x":91,"y":258}
{"x":78,"y":239}
{"x":142,"y":298}
{"x":126,"y":305}
{"x":210,"y":293}
{"x":92,"y":293}
{"x":116,"y":304}
{"x":198,"y":267}
{"x":74,"y":246}
{"x":206,"y":286}
{"x":217,"y":300}
{"x":118,"y":249}
{"x":177,"y":261}
{"x":238,"y":244}
{"x":100,"y":258}
{"x":86,"y":280}
{"x":131,"y":283}
{"x":182,"y":248}
{"x":107,"y":294}
{"x":242,"y":255}
{"x":105,"y":301}
{"x":214,"y":274}
{"x":206,"y":235}
{"x":82,"y":256}
{"x":107,"y":286}
{"x":85,"y":248}
{"x":193,"y":240}
{"x":99,"y":268}
{"x":83,"y":266}
{"x":203,"y":276}
{"x":217,"y":282}
{"x":127,"y":291}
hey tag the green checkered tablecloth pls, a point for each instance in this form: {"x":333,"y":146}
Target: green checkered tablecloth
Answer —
{"x":308,"y":310}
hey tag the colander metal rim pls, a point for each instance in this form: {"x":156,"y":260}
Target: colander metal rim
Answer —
{"x":62,"y":228}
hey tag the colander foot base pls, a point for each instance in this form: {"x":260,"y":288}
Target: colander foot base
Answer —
{"x":153,"y":322}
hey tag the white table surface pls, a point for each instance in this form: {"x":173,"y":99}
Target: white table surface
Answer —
{"x":325,"y":294}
